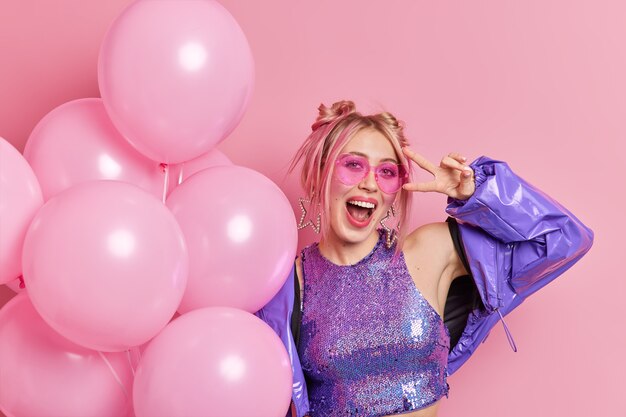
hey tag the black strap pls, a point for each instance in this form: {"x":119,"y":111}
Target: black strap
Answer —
{"x":453,"y":226}
{"x":463,"y":296}
{"x":296,"y":314}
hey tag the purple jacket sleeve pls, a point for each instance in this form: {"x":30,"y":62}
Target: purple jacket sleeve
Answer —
{"x":277,"y":314}
{"x":517,"y":239}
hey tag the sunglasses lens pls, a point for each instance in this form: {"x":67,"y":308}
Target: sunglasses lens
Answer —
{"x":351,"y":169}
{"x":388,"y":177}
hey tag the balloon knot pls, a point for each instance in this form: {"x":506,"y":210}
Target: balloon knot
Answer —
{"x":22,"y":284}
{"x":163,"y":167}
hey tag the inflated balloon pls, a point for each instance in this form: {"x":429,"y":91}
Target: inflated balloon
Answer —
{"x":105,"y":264}
{"x":20,"y":198}
{"x":242,"y":237}
{"x":77,"y":142}
{"x":44,"y":374}
{"x":180,"y":172}
{"x":214,"y":362}
{"x":175,"y":76}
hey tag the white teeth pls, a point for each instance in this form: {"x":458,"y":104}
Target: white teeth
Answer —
{"x":363,"y":204}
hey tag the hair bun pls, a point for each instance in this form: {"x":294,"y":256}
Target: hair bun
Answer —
{"x":338,"y":110}
{"x":391,"y":120}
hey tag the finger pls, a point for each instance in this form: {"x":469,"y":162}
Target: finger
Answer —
{"x":458,"y":157}
{"x":421,"y":186}
{"x":468,"y":174}
{"x":467,"y":177}
{"x":448,"y":162}
{"x":419,"y":160}
{"x":467,"y":185}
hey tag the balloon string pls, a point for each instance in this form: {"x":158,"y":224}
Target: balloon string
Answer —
{"x":166,"y":180}
{"x":138,"y":355}
{"x":117,"y":378}
{"x":180,"y":174}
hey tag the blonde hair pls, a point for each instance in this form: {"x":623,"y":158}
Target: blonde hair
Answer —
{"x":333,"y":128}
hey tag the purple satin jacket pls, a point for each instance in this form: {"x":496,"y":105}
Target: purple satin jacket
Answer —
{"x":516,"y":240}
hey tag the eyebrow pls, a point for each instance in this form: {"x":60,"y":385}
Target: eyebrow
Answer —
{"x":357,"y":153}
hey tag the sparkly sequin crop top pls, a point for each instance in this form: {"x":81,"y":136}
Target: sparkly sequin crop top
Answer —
{"x":370,"y":344}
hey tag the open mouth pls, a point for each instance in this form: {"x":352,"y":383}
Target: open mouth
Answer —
{"x":360,"y":212}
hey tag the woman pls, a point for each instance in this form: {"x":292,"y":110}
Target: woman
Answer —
{"x":365,"y":308}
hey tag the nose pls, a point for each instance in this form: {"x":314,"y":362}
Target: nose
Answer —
{"x":368,"y":183}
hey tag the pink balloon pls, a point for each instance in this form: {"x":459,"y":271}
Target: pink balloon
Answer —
{"x":217,"y":361}
{"x":20,"y":198}
{"x":241,"y":234}
{"x":175,"y":76}
{"x":180,"y":172}
{"x":77,"y":142}
{"x":105,"y":264}
{"x":44,"y":374}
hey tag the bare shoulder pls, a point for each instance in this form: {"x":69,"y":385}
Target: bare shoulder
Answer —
{"x":432,"y":244}
{"x":432,"y":238}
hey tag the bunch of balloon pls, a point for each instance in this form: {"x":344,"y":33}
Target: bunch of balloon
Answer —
{"x":175,"y":79}
{"x":130,"y":214}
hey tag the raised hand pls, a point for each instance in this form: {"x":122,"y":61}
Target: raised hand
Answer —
{"x":452,"y":176}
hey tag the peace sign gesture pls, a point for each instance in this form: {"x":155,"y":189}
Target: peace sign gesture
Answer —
{"x":452,"y":176}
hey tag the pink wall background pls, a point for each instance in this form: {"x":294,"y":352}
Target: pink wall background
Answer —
{"x":538,"y":83}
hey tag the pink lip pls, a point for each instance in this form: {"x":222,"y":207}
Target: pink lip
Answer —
{"x":354,"y":222}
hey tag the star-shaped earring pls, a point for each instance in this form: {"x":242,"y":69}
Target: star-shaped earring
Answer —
{"x":301,"y":223}
{"x":390,"y":234}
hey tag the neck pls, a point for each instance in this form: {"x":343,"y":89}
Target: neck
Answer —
{"x":341,"y":252}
